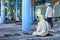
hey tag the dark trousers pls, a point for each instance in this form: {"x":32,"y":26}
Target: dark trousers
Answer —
{"x":49,"y":20}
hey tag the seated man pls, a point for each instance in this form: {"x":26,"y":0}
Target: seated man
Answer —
{"x":42,"y":28}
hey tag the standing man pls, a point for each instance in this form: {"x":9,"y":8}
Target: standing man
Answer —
{"x":49,"y":14}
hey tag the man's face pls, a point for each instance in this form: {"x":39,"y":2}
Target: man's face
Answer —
{"x":39,"y":11}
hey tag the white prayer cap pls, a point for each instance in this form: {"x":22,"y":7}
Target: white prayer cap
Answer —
{"x":48,"y":4}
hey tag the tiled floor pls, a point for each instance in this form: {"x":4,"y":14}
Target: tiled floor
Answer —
{"x":14,"y":28}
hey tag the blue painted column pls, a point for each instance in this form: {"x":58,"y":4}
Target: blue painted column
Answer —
{"x":8,"y":10}
{"x":2,"y":11}
{"x":16,"y":9}
{"x":26,"y":18}
{"x":32,"y":13}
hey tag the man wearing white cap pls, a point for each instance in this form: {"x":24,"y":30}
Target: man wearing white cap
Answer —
{"x":49,"y":14}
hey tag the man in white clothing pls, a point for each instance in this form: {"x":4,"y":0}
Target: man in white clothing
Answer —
{"x":42,"y":28}
{"x":49,"y":14}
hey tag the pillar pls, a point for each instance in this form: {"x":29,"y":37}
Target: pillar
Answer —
{"x":53,"y":13}
{"x":8,"y":9}
{"x":2,"y":11}
{"x":32,"y":13}
{"x":16,"y":9}
{"x":26,"y":19}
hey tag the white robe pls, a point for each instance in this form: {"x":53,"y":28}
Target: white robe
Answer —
{"x":42,"y":29}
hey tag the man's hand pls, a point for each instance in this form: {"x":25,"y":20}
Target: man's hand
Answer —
{"x":45,"y":17}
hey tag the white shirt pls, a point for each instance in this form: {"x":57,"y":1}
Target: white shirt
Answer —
{"x":42,"y":29}
{"x":49,"y":12}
